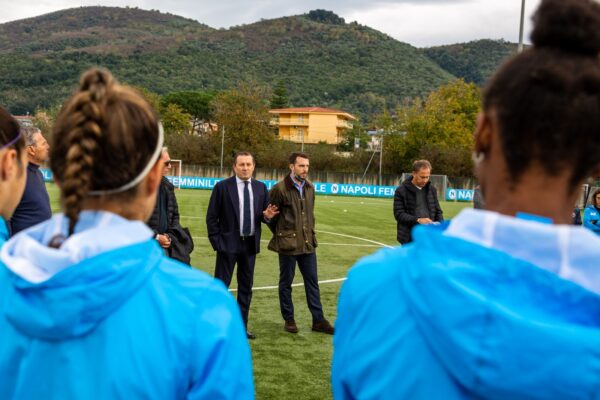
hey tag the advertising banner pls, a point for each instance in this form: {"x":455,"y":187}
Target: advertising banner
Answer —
{"x":340,"y":189}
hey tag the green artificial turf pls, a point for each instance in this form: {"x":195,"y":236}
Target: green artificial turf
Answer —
{"x":288,"y":366}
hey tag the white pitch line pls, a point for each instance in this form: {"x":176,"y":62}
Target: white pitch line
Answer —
{"x":320,"y":282}
{"x":293,"y":285}
{"x":357,"y":238}
{"x":320,"y":243}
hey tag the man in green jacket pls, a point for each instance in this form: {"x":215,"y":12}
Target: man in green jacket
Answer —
{"x":295,"y":241}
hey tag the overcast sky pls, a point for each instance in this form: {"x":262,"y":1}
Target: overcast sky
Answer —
{"x":418,"y":22}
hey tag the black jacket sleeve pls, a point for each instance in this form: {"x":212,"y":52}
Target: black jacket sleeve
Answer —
{"x":400,"y":212}
{"x":212,"y":217}
{"x":439,"y":215}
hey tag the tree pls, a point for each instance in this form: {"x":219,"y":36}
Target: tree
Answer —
{"x":280,"y":96}
{"x":244,"y":114}
{"x":439,"y":128}
{"x":326,"y":17}
{"x":174,"y":119}
{"x":351,"y":135}
{"x":152,"y":98}
{"x":194,"y":103}
{"x":44,"y":119}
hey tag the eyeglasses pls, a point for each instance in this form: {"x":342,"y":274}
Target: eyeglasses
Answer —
{"x":168,"y":163}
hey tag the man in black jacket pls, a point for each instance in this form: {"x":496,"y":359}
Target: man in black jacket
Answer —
{"x":169,"y":233}
{"x":416,"y":202}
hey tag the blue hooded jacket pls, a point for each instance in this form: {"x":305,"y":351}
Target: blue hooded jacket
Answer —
{"x":108,"y":316}
{"x":464,"y":313}
{"x":4,"y":235}
{"x":591,"y":219}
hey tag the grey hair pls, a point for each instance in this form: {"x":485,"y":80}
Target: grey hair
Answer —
{"x":420,"y":164}
{"x":29,"y":132}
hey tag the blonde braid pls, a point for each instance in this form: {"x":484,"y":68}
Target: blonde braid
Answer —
{"x":86,"y":120}
{"x":104,"y":136}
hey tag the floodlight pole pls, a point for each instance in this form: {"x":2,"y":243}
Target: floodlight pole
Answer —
{"x":302,"y":148}
{"x":380,"y":159}
{"x":520,"y":48}
{"x":222,"y":146}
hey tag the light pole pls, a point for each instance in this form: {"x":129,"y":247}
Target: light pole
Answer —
{"x":381,"y":159}
{"x":222,"y":146}
{"x":520,"y":49}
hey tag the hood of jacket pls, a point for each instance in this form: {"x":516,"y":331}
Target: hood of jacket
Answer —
{"x":408,"y":183}
{"x":60,"y":293}
{"x":510,"y":307}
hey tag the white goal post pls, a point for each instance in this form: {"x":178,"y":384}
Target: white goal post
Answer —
{"x":176,"y":173}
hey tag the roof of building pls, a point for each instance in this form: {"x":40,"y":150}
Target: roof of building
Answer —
{"x":319,"y":110}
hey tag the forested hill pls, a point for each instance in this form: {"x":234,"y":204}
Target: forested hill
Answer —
{"x":474,"y":61}
{"x":322,"y":59}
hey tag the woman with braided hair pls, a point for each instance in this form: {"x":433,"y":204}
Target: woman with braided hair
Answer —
{"x":91,"y":306}
{"x":13,"y":163}
{"x":501,"y":303}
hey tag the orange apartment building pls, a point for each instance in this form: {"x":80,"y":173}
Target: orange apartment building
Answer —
{"x":311,"y":124}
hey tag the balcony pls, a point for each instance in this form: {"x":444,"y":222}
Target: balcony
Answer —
{"x":289,"y":122}
{"x":344,"y":124}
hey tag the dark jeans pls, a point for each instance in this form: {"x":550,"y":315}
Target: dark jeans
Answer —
{"x":308,"y":268}
{"x":245,"y":273}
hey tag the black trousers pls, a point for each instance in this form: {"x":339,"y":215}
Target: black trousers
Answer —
{"x":308,"y":268}
{"x":245,"y":273}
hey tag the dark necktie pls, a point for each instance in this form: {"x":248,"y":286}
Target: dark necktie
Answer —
{"x":246,"y":227}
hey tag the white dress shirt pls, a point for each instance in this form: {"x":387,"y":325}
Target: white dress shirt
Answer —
{"x":240,"y":188}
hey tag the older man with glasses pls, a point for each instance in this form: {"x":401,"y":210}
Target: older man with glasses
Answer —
{"x":171,"y":236}
{"x":34,"y":206}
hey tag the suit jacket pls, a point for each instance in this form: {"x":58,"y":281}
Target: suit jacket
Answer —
{"x":223,"y":215}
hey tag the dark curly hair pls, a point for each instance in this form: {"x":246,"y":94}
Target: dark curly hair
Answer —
{"x":547,"y":99}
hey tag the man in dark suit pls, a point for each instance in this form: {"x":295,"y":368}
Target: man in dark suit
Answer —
{"x":236,"y":209}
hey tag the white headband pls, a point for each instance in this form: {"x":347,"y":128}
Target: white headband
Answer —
{"x":145,"y":171}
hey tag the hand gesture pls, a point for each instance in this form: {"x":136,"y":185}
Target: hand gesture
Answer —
{"x":270,"y":211}
{"x":424,"y":221}
{"x":164,"y":241}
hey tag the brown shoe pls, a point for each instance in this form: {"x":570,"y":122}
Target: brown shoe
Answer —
{"x":290,"y":326}
{"x":323,"y":327}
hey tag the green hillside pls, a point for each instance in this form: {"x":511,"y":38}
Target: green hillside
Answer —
{"x":474,"y":61}
{"x":323,"y":60}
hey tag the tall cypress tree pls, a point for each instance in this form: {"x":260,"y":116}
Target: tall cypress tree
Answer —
{"x":280,"y":96}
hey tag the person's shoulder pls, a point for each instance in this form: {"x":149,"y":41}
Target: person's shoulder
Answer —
{"x":376,"y":273}
{"x":165,"y":181}
{"x":223,"y":183}
{"x":404,"y":185}
{"x":279,"y":186}
{"x":189,"y":287}
{"x":259,"y":184}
